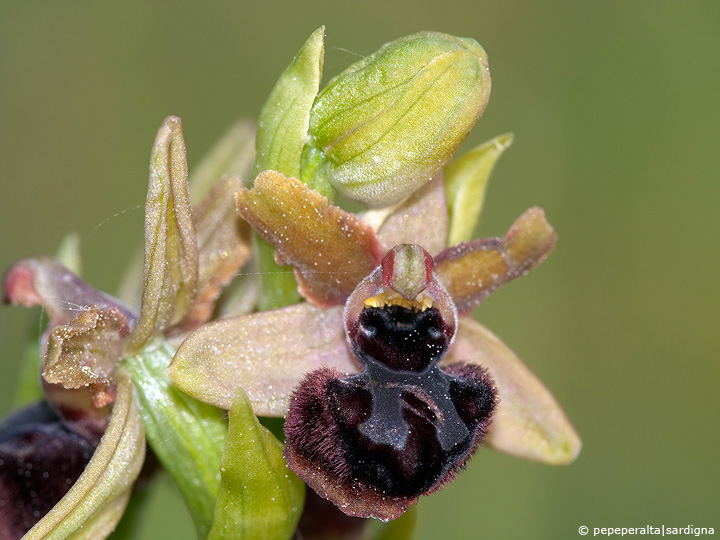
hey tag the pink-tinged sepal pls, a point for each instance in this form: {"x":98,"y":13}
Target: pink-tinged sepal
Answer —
{"x":43,"y":281}
{"x":529,"y":423}
{"x":82,"y":344}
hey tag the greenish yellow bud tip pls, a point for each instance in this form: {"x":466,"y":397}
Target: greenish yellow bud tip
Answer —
{"x":391,"y":121}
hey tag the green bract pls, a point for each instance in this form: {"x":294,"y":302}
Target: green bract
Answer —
{"x":389,"y":122}
{"x":259,"y":498}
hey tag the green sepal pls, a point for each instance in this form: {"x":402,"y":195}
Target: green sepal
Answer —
{"x":283,"y":124}
{"x":259,"y":497}
{"x":466,"y":180}
{"x":187,"y":436}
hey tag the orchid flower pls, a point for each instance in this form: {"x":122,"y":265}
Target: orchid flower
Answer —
{"x":386,"y":384}
{"x":90,"y":427}
{"x":386,"y":394}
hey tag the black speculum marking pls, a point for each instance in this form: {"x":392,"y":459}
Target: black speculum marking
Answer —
{"x":431,"y":446}
{"x":411,"y":433}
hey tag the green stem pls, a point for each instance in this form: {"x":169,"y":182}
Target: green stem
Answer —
{"x":278,"y":286}
{"x":186,"y":435}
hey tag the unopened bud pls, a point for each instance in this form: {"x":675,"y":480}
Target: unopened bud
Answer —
{"x":389,"y":122}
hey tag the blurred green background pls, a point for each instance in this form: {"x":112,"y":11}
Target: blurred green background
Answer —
{"x":615,"y":110}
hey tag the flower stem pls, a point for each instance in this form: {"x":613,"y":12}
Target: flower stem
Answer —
{"x":186,"y":435}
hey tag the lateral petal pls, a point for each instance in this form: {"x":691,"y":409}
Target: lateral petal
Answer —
{"x":84,"y":352}
{"x":471,"y":271}
{"x":223,"y":247}
{"x":330,"y":249}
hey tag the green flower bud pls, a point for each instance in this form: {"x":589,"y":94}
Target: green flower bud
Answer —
{"x":389,"y":122}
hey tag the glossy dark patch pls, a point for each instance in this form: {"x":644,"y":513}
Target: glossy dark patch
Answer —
{"x":400,"y":338}
{"x":40,"y":460}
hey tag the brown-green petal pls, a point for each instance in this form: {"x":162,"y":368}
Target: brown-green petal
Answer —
{"x":528,"y":422}
{"x":330,"y":249}
{"x":471,"y":271}
{"x":266,"y":354}
{"x":223,"y":247}
{"x":94,"y":505}
{"x":171,"y":255}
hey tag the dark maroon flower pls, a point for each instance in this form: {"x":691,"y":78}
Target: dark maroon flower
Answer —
{"x":375,"y":441}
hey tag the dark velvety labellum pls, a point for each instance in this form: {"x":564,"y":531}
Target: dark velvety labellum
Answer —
{"x":400,"y":338}
{"x":40,"y":460}
{"x":384,"y":445}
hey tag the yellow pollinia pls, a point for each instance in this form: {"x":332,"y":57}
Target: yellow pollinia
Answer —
{"x":391,"y":298}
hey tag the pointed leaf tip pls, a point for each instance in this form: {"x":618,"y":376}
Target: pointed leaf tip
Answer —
{"x":284,"y":119}
{"x":466,"y":180}
{"x":259,"y":498}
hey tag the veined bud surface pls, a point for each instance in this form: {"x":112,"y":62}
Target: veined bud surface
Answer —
{"x":389,"y":122}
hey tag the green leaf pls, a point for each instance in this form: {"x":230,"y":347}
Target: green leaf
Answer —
{"x":171,"y":253}
{"x":260,"y":498}
{"x":466,"y":180}
{"x":187,"y":436}
{"x":284,"y":119}
{"x":281,"y":136}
